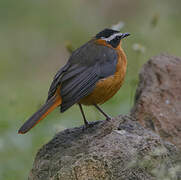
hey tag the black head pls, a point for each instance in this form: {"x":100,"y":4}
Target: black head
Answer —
{"x":111,"y":36}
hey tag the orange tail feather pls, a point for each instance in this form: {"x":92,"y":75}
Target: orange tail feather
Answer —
{"x":48,"y":107}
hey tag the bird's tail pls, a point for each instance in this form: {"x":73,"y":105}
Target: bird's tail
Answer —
{"x":48,"y":107}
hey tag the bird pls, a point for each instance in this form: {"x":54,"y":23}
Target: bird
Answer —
{"x":92,"y":75}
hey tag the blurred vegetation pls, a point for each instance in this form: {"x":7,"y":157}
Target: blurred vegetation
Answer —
{"x":33,"y":40}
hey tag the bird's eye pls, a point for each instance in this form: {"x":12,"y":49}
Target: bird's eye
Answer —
{"x":115,"y":42}
{"x":117,"y":38}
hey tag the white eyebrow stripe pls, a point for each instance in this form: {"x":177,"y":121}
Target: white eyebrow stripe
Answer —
{"x":112,"y":37}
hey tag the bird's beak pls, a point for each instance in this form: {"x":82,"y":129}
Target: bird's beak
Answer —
{"x":123,"y":35}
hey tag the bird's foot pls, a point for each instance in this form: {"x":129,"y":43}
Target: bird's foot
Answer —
{"x":108,"y":118}
{"x":87,"y":126}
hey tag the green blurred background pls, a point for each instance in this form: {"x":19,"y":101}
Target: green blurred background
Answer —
{"x":33,"y":38}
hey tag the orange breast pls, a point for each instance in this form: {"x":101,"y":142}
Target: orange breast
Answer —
{"x":106,"y":88}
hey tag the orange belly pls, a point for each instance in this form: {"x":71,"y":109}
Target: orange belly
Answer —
{"x":106,"y":88}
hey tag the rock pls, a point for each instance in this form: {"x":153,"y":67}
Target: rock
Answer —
{"x":158,"y":97}
{"x":126,"y":147}
{"x":119,"y":149}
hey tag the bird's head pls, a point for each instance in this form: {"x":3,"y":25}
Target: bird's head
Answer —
{"x":111,"y":37}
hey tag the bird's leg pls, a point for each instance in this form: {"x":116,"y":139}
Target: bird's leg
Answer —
{"x":106,"y":115}
{"x":85,"y":120}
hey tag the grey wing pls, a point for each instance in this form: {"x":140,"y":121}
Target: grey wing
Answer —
{"x":77,"y":83}
{"x":56,"y":81}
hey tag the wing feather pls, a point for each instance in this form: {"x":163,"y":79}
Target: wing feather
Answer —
{"x":56,"y":81}
{"x":77,"y":87}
